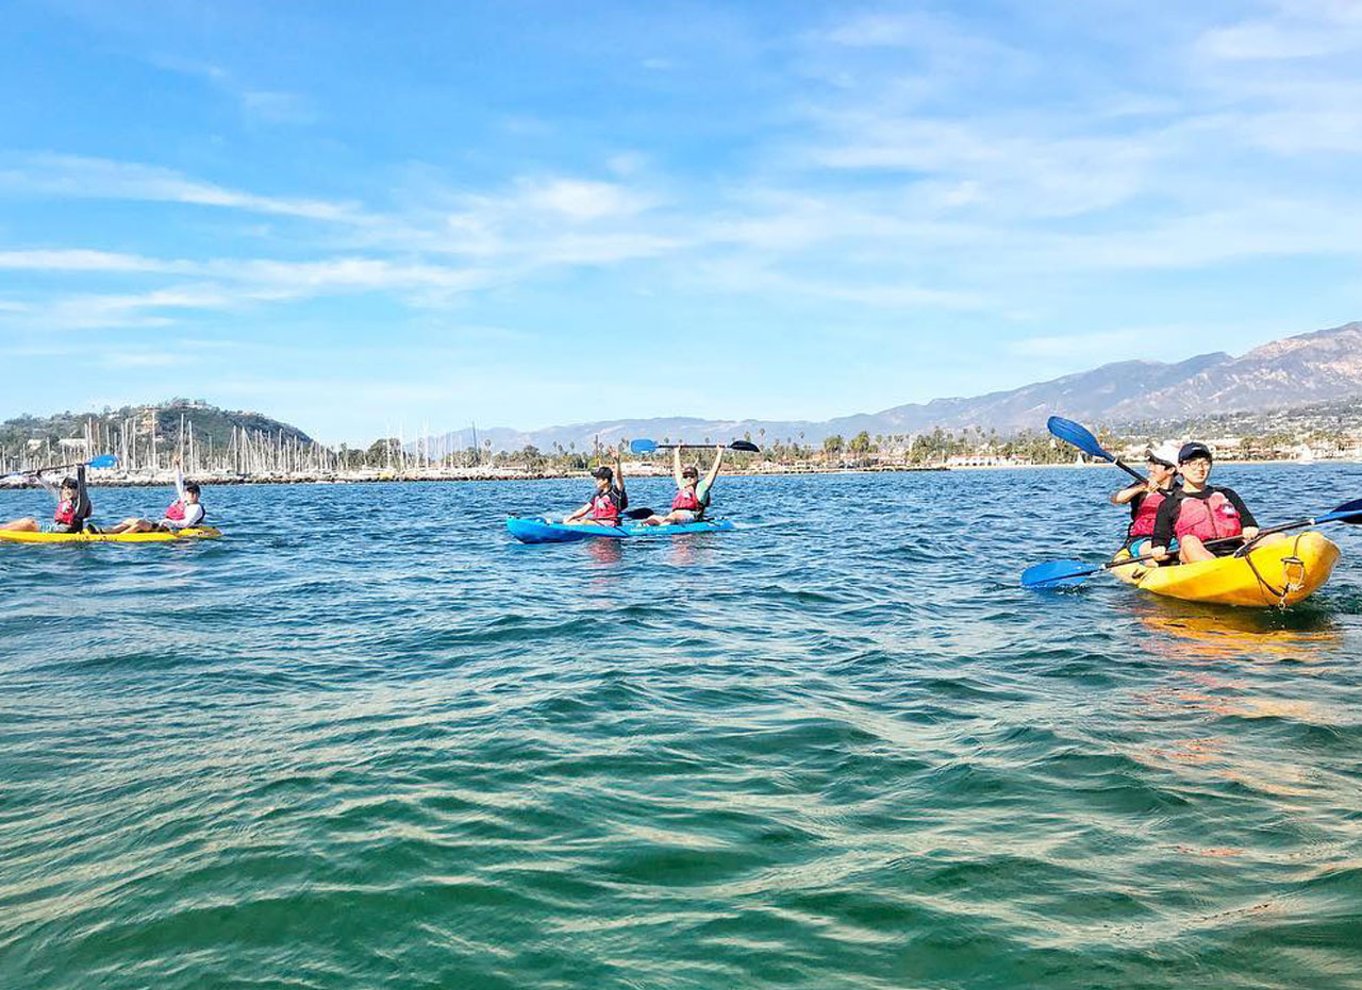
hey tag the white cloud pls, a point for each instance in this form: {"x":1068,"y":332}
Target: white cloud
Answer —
{"x":98,"y":178}
{"x":577,"y":199}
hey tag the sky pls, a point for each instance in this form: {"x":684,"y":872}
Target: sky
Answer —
{"x":513,"y":213}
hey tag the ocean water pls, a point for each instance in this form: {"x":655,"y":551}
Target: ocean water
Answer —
{"x":367,"y":740}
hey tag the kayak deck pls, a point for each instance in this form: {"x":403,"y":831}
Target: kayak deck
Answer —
{"x":1279,"y":573}
{"x":529,"y":529}
{"x":192,"y":533}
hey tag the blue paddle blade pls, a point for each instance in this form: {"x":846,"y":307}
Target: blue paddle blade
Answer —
{"x":1056,"y":574}
{"x":643,"y":446}
{"x":1078,"y":435}
{"x":1348,"y":512}
{"x":103,"y":461}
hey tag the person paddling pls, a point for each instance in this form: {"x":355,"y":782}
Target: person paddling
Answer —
{"x":1199,"y":512}
{"x":73,"y":506}
{"x":184,"y":513}
{"x":1144,"y":498}
{"x":608,"y":502}
{"x":692,"y":495}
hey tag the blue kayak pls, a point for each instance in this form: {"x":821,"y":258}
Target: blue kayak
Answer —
{"x":529,"y":529}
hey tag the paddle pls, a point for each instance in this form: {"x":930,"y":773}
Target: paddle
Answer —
{"x":98,"y":463}
{"x":1082,"y":438}
{"x":639,"y":513}
{"x":1067,"y":573}
{"x":648,"y":446}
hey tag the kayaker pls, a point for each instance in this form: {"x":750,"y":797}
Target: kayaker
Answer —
{"x":184,"y":513}
{"x":692,"y":495}
{"x":73,"y":505}
{"x":1144,"y":498}
{"x":609,"y":501}
{"x":1198,"y":512}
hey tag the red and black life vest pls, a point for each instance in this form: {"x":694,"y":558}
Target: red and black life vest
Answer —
{"x":66,"y":514}
{"x":1146,"y":511}
{"x":606,"y":505}
{"x":1210,"y":518}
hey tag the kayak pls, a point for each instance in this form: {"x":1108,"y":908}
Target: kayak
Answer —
{"x":529,"y":529}
{"x":1285,"y":572}
{"x":191,"y":533}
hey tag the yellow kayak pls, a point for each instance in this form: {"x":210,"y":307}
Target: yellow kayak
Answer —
{"x":192,"y":533}
{"x":1278,"y":573}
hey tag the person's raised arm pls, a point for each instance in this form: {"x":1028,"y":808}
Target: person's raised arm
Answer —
{"x":619,"y":477}
{"x":714,"y":468}
{"x":83,"y":506}
{"x":676,"y":467}
{"x":179,"y":481}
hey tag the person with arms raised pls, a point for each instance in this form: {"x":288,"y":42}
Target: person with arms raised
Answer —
{"x":73,"y":506}
{"x":692,"y":494}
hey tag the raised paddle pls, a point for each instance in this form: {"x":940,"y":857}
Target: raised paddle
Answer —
{"x":98,"y":463}
{"x":1081,"y":437}
{"x":648,"y":446}
{"x":1068,"y":573}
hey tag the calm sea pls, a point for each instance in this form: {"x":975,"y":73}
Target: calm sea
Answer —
{"x":368,"y":741}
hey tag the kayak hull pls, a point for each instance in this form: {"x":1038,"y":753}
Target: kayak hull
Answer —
{"x":192,"y":533}
{"x":537,"y":530}
{"x":1280,"y":573}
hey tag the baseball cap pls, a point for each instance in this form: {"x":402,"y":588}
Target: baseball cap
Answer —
{"x":1193,"y":450}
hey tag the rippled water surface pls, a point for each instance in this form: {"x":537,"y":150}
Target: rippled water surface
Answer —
{"x":382,"y":745}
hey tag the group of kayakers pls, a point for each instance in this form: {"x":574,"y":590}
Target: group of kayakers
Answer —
{"x":74,"y":509}
{"x":608,"y":503}
{"x":606,"y":507}
{"x":1194,"y":519}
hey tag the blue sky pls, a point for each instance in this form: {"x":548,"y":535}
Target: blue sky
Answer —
{"x":535,"y":213}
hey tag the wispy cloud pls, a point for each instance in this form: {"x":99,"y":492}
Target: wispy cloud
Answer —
{"x":78,"y":177}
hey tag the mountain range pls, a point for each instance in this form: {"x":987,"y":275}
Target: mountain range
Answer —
{"x":1320,"y":366}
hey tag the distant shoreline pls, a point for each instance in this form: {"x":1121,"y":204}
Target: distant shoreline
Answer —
{"x":167,"y":480}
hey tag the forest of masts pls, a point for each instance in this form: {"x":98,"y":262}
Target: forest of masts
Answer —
{"x":143,"y":452}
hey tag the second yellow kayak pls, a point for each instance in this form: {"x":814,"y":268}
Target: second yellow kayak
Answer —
{"x":1278,"y":573}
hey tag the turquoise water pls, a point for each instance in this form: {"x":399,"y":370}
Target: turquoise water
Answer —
{"x":388,"y":747}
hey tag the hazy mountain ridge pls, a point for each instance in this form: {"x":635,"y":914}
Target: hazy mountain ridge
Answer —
{"x":1314,"y":367}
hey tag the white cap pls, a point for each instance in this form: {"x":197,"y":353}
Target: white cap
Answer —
{"x":1165,"y":453}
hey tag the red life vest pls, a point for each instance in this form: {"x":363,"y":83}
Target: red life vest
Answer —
{"x":178,"y":511}
{"x":1211,"y":518}
{"x":687,"y":499}
{"x":65,"y":514}
{"x":1145,"y":513}
{"x":605,"y":506}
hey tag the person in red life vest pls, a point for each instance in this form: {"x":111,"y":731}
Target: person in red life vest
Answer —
{"x":185,"y":512}
{"x":1198,"y":513}
{"x":692,"y":494}
{"x":73,"y":506}
{"x":609,"y":501}
{"x":1144,"y":498}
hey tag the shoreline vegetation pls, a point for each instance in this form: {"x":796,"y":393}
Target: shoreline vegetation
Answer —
{"x":221,"y":448}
